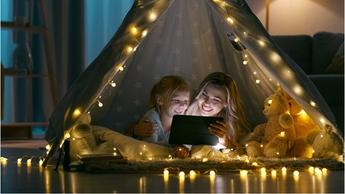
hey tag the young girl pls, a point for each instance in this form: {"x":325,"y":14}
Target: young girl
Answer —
{"x":218,"y":95}
{"x":169,"y":96}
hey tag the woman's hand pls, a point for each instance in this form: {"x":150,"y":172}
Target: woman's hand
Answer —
{"x":144,"y":129}
{"x":220,"y":130}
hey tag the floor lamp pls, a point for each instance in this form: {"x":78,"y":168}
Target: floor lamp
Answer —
{"x":267,"y":5}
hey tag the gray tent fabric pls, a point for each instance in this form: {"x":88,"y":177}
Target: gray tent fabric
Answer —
{"x":188,"y":38}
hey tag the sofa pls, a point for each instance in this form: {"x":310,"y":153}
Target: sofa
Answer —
{"x":321,"y":57}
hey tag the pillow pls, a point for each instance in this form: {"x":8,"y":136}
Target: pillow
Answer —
{"x":337,"y":64}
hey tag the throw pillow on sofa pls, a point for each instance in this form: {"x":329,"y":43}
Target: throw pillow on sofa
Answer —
{"x":337,"y":64}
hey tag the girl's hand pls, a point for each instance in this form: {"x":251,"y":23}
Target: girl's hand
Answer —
{"x":144,"y":129}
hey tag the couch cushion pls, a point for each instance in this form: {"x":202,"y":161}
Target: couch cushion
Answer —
{"x":325,"y":45}
{"x":337,"y":64}
{"x":331,"y":87}
{"x":298,"y":47}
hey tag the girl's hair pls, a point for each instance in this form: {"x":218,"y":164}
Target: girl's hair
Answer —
{"x":166,"y":87}
{"x":233,"y":113}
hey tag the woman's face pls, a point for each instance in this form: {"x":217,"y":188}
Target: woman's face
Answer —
{"x":211,"y":100}
{"x":177,"y":105}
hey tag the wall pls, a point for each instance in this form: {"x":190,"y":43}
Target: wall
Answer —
{"x":301,"y":16}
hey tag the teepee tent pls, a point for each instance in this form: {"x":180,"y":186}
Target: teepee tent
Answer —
{"x":190,"y":38}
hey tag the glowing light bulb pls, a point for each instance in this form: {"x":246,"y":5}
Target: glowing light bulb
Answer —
{"x":181,"y":174}
{"x":166,"y":172}
{"x":67,"y":135}
{"x":237,"y":40}
{"x":273,"y":173}
{"x":100,"y":104}
{"x":212,"y":173}
{"x":282,"y":134}
{"x":48,"y":147}
{"x":204,"y":159}
{"x":28,"y":162}
{"x":115,"y":154}
{"x":245,"y":62}
{"x":19,"y":161}
{"x":318,"y":172}
{"x":243,"y":173}
{"x":254,"y":72}
{"x":261,"y":43}
{"x":113,"y":84}
{"x":277,"y":153}
{"x":230,"y":20}
{"x":129,"y":49}
{"x":152,"y":16}
{"x":297,"y":89}
{"x":255,"y":164}
{"x":140,"y":153}
{"x":261,"y":145}
{"x":257,"y":81}
{"x":269,"y":102}
{"x":245,"y":33}
{"x":134,"y":30}
{"x":76,"y":113}
{"x":295,"y":173}
{"x":263,"y":171}
{"x":40,"y":163}
{"x":275,"y":57}
{"x":144,"y":33}
{"x":322,"y":120}
{"x":192,"y":173}
{"x":324,"y":171}
{"x":311,"y":170}
{"x":246,"y":145}
{"x":284,"y":169}
{"x":312,"y":103}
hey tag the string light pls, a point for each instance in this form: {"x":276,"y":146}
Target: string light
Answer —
{"x":120,"y":67}
{"x":257,"y":81}
{"x":255,"y":164}
{"x":230,"y":20}
{"x":324,"y":171}
{"x":152,"y":16}
{"x":254,"y":72}
{"x":166,"y":172}
{"x":245,"y":62}
{"x":322,"y":120}
{"x":134,"y":30}
{"x":28,"y":162}
{"x":245,"y":33}
{"x":40,"y":163}
{"x":295,"y":173}
{"x":275,"y":57}
{"x":273,"y":173}
{"x":284,"y":169}
{"x":212,"y":173}
{"x":236,"y":39}
{"x":261,"y":43}
{"x":312,"y":103}
{"x":19,"y":161}
{"x":204,"y":159}
{"x":282,"y":134}
{"x":129,"y":49}
{"x":297,"y":89}
{"x":144,"y":33}
{"x":263,"y":171}
{"x":181,"y":174}
{"x":76,"y":113}
{"x":113,"y":84}
{"x":311,"y":170}
{"x":100,"y":104}
{"x":243,"y":173}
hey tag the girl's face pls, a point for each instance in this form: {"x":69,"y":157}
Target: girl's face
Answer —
{"x":177,"y":105}
{"x":211,"y":100}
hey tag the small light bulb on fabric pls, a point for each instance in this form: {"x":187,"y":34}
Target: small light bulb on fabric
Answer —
{"x":257,"y":81}
{"x":245,"y":62}
{"x":166,"y":172}
{"x":100,"y":104}
{"x":144,"y":33}
{"x":152,"y":16}
{"x":230,"y":20}
{"x":312,"y":103}
{"x":113,"y":84}
{"x":261,"y":43}
{"x":212,"y":173}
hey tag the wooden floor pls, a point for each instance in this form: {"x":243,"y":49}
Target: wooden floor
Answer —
{"x":33,"y":179}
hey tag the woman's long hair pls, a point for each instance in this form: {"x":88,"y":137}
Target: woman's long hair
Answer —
{"x":233,"y":113}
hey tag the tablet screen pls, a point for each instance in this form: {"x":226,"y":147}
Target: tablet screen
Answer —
{"x":192,"y":130}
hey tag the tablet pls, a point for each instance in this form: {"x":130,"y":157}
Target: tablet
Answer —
{"x":192,"y":130}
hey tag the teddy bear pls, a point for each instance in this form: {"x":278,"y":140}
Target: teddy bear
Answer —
{"x":326,"y":143}
{"x":275,"y":137}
